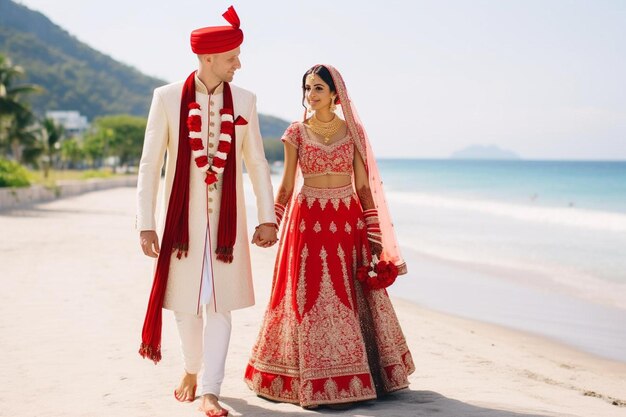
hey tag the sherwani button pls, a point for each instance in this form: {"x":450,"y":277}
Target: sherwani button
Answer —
{"x":210,"y":210}
{"x":211,"y":145}
{"x":211,"y":124}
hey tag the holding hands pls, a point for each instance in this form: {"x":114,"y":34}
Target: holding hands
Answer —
{"x":265,"y":235}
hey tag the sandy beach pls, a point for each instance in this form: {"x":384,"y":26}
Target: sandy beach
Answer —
{"x":76,"y":286}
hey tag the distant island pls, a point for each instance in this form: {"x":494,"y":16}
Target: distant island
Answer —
{"x":484,"y":152}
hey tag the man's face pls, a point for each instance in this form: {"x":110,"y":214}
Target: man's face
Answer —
{"x":225,"y":64}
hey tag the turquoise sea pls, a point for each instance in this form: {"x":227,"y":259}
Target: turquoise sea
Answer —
{"x":538,"y":246}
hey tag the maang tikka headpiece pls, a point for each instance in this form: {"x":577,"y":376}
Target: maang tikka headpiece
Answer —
{"x":311,"y":77}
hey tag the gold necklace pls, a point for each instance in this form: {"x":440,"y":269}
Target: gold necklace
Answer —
{"x":325,"y":129}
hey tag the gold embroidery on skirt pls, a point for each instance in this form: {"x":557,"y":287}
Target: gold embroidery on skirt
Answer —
{"x":344,"y":270}
{"x":307,"y":392}
{"x":295,"y":387}
{"x":331,"y":391}
{"x":301,"y":290}
{"x":276,"y":386}
{"x":356,"y":387}
{"x":280,"y":339}
{"x":337,"y":195}
{"x":398,"y":375}
{"x":333,"y":334}
{"x":408,"y":362}
{"x":392,"y":346}
{"x":257,"y":379}
{"x":328,"y":193}
{"x":348,"y":200}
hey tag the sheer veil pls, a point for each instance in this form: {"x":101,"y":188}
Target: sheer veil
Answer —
{"x":347,"y":111}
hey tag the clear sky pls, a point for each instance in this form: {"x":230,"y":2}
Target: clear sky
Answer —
{"x":546,"y":79}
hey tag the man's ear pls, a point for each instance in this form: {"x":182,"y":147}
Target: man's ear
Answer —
{"x":205,"y":58}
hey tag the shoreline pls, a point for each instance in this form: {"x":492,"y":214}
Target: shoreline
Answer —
{"x":517,"y":301}
{"x":72,"y":323}
{"x":511,"y":331}
{"x":538,"y":279}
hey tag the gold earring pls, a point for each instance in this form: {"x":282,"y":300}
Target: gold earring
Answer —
{"x":309,"y":110}
{"x":333,"y":106}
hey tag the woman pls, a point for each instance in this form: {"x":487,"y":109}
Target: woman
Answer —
{"x":326,"y":338}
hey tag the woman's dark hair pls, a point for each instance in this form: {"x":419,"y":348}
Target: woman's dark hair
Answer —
{"x":324,"y":74}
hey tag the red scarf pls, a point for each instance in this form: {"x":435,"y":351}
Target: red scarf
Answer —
{"x":176,"y":233}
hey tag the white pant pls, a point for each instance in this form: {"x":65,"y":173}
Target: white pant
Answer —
{"x":217,"y":328}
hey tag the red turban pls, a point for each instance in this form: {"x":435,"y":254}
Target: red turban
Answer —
{"x":218,"y":39}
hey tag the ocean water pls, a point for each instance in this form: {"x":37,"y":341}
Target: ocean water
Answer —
{"x":534,"y":245}
{"x":567,"y":219}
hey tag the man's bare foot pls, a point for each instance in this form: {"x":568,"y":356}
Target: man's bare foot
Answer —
{"x":211,"y":407}
{"x":186,"y":391}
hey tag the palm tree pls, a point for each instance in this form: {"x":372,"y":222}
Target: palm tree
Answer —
{"x":13,"y":110}
{"x":52,"y":133}
{"x":9,"y":93}
{"x":22,"y":133}
{"x":72,"y":153}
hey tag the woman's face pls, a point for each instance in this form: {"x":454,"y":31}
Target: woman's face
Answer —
{"x":317,"y":93}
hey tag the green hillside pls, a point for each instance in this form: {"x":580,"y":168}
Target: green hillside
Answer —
{"x":76,"y":76}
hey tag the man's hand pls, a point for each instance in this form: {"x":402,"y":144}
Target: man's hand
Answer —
{"x":149,"y":243}
{"x":265,"y":235}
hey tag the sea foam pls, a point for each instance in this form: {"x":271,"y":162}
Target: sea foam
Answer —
{"x":566,"y":216}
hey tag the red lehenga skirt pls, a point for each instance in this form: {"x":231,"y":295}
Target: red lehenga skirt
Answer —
{"x":324,"y":338}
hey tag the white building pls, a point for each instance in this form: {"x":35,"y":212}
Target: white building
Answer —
{"x":71,"y":120}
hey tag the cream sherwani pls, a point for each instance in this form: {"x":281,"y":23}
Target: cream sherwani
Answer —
{"x":231,"y":283}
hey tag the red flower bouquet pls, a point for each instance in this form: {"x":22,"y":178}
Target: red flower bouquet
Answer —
{"x":378,"y":274}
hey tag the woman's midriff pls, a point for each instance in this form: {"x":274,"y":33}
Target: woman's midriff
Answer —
{"x":328,"y":181}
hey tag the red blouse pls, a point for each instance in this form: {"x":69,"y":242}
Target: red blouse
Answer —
{"x":316,"y":158}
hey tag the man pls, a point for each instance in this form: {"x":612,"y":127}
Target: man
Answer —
{"x":207,"y":127}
